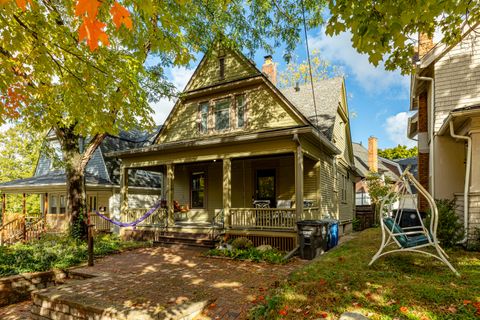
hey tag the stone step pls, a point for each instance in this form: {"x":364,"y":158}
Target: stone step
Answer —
{"x":198,"y":240}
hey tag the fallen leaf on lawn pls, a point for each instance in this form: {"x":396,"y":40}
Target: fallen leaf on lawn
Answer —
{"x":452,"y":309}
{"x":403,"y":309}
{"x":212,"y":306}
{"x":356,"y":304}
{"x":323,"y":314}
{"x":322,"y":282}
{"x":390,"y":302}
{"x":283,"y":312}
{"x":297,"y":310}
{"x":465,"y":302}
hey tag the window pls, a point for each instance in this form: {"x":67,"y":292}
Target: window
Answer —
{"x":222,"y":115}
{"x":198,"y":190}
{"x":203,"y":117}
{"x":241,"y":106}
{"x":53,"y":203}
{"x":221,"y":63}
{"x":63,"y":206}
{"x":92,"y":203}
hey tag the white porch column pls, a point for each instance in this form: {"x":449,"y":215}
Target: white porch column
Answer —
{"x":227,"y":190}
{"x":4,"y":207}
{"x":170,"y":168}
{"x":299,"y":182}
{"x":123,"y":190}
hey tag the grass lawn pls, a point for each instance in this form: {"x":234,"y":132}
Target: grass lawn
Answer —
{"x":397,"y":286}
{"x":57,"y":252}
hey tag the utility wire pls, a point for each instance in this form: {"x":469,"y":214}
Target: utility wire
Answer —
{"x":309,"y":63}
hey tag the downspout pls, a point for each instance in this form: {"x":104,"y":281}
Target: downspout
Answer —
{"x":467,"y":178}
{"x":432,"y":129}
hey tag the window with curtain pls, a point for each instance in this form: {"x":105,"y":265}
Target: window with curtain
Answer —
{"x":241,"y":108}
{"x":53,"y":203}
{"x":63,"y":202}
{"x":198,"y":190}
{"x":222,"y":115}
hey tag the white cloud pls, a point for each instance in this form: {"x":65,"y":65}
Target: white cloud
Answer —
{"x":396,"y":128}
{"x":179,"y":77}
{"x":374,"y":80}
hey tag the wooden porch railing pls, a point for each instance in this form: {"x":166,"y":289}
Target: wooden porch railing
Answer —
{"x":270,"y":218}
{"x":157,"y":219}
{"x":21,"y":229}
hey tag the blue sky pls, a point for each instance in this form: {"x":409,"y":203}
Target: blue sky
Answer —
{"x":379,"y":98}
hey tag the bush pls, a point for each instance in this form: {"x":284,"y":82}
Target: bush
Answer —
{"x":242,"y":243}
{"x":450,"y":229}
{"x":252,"y":254}
{"x":55,"y":252}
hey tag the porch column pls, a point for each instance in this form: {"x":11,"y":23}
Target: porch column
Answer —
{"x":123,"y":190}
{"x":299,"y":182}
{"x":45,"y":210}
{"x":318,"y":183}
{"x":169,"y":190}
{"x":227,"y":190}
{"x":4,"y":207}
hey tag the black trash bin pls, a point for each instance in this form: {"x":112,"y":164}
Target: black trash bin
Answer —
{"x":313,"y":238}
{"x":409,"y":218}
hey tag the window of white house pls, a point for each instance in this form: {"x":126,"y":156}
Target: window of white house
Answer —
{"x":53,"y":203}
{"x":241,"y":108}
{"x":198,"y":190}
{"x":222,"y":115}
{"x":203,"y":117}
{"x":63,"y":207}
{"x":221,"y":62}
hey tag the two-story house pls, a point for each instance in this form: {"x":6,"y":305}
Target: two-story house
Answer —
{"x":445,"y":93}
{"x":240,"y":154}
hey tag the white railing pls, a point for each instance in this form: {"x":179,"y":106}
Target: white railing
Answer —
{"x":263,"y":218}
{"x":154,"y":220}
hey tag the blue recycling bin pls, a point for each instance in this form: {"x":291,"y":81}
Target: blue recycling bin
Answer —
{"x":332,"y":237}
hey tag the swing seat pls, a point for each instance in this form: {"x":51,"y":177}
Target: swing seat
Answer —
{"x":399,"y":234}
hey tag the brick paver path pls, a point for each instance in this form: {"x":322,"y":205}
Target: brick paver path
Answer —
{"x":158,"y":278}
{"x":19,"y":311}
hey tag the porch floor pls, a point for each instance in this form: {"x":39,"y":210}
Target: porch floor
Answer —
{"x":158,"y":278}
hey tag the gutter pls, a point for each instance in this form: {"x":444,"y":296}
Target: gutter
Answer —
{"x":432,"y":130}
{"x":466,"y":187}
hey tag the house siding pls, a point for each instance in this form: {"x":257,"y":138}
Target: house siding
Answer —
{"x":457,"y":78}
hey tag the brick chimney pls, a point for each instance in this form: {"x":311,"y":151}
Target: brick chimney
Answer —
{"x":373,"y":154}
{"x":425,"y":44}
{"x":269,"y":68}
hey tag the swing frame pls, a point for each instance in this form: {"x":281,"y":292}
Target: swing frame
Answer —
{"x":390,"y":236}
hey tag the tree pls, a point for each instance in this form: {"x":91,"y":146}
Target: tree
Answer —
{"x":398,"y":152}
{"x":299,"y":72}
{"x":49,"y":79}
{"x":386,"y":30}
{"x":18,"y":157}
{"x":379,"y":188}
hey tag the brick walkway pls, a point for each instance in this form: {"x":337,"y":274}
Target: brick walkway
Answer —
{"x":19,"y":311}
{"x":156,"y":279}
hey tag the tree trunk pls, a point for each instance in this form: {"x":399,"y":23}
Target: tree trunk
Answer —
{"x":76,"y":158}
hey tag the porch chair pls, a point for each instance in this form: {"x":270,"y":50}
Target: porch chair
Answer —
{"x":409,"y":239}
{"x":180,"y":211}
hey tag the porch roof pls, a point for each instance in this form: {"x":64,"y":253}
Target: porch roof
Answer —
{"x":458,"y":116}
{"x":229,"y":139}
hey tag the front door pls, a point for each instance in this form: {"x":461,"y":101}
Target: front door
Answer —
{"x":265,"y":186}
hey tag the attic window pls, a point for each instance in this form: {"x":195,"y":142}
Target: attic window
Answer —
{"x":221,"y":64}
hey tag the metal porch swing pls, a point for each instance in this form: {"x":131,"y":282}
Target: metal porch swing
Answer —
{"x":409,"y":239}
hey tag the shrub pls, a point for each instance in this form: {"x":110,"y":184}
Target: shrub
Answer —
{"x":252,"y":254}
{"x":242,"y":243}
{"x":450,"y":229}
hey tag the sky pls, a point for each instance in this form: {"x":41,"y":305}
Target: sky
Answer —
{"x":379,"y":98}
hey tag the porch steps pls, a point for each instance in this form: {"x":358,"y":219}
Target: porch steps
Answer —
{"x":186,"y":239}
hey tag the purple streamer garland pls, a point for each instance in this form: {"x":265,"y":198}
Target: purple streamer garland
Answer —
{"x":130,"y":224}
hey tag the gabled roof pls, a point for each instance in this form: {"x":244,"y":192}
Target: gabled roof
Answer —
{"x":360,"y":154}
{"x":328,"y":95}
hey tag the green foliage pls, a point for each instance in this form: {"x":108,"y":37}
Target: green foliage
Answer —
{"x":383,"y":29}
{"x":242,"y":243}
{"x":251,"y":253}
{"x":299,"y":72}
{"x":78,"y":227}
{"x":54,"y":252}
{"x":356,"y":224}
{"x":379,"y":189}
{"x":398,"y":152}
{"x":450,"y":229}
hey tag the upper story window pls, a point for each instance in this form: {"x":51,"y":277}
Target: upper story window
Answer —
{"x":222,"y":115}
{"x":203,"y":117}
{"x":241,"y":108}
{"x":221,"y":65}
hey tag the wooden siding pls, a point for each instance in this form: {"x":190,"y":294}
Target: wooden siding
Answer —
{"x":264,"y":111}
{"x":310,"y":181}
{"x":328,"y":192}
{"x":208,"y":72}
{"x":457,"y":78}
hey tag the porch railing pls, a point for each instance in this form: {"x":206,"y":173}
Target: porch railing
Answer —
{"x":270,"y":218}
{"x":157,"y":219}
{"x":21,"y":229}
{"x":263,"y":218}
